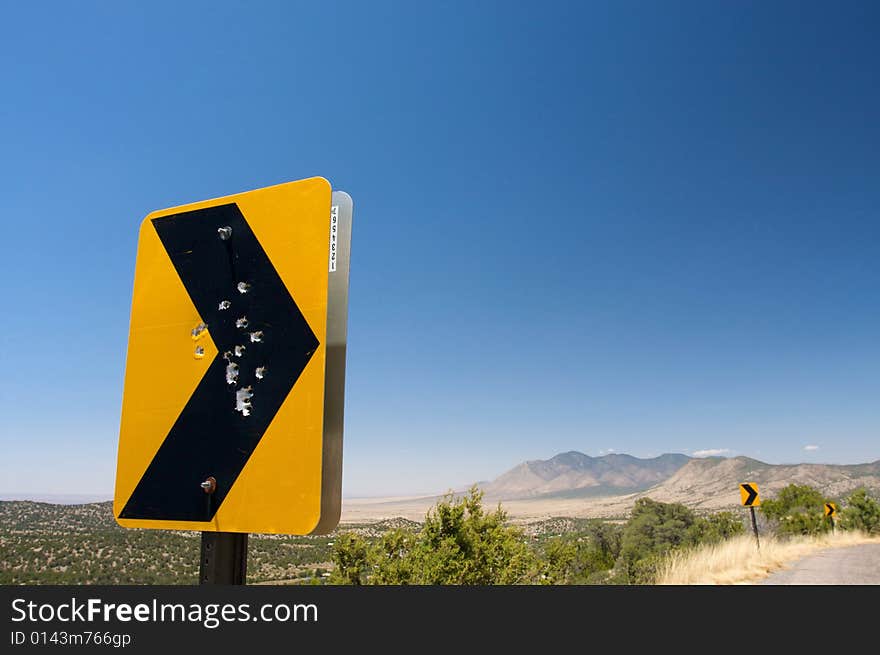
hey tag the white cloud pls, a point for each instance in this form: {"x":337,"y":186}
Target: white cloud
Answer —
{"x":712,"y":452}
{"x":811,"y":447}
{"x":606,"y":451}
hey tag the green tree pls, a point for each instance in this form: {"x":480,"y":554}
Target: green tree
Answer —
{"x":653,"y":530}
{"x":462,"y":544}
{"x":459,"y":544}
{"x":797,"y":510}
{"x":861,"y":513}
{"x":585,"y":557}
{"x":558,"y":560}
{"x":715,"y":528}
{"x":391,"y":558}
{"x":350,"y":555}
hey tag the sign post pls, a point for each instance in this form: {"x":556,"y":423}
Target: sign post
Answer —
{"x":749,"y":495}
{"x":224,"y":558}
{"x":232,"y":408}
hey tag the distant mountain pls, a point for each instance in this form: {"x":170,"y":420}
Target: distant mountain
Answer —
{"x":575,"y":474}
{"x":700,"y":482}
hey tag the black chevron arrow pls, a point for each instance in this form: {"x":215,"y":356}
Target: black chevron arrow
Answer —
{"x":227,"y":279}
{"x":829,"y":509}
{"x":752,"y":492}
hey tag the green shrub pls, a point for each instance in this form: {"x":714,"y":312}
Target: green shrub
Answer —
{"x":459,"y":544}
{"x":715,"y":528}
{"x":861,"y":513}
{"x":583,"y":557}
{"x":652,"y":531}
{"x":797,"y":510}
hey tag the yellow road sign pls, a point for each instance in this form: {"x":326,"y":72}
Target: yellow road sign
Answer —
{"x":748,"y":491}
{"x":223,"y":415}
{"x":830,"y":509}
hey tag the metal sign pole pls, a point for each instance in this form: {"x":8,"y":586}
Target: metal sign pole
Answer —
{"x":224,"y":554}
{"x":224,"y":558}
{"x":755,"y":527}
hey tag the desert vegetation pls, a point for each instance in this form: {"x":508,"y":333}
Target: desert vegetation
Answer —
{"x":796,"y":527}
{"x":739,"y":561}
{"x":460,"y":542}
{"x":42,"y":543}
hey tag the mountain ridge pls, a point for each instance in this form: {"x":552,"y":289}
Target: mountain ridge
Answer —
{"x":709,"y":484}
{"x":573,"y":470}
{"x":573,"y":474}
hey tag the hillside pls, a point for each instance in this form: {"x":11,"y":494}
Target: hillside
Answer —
{"x":669,"y":477}
{"x":713,"y":482}
{"x":575,"y":474}
{"x":41,"y":543}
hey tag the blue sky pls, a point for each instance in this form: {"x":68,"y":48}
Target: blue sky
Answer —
{"x":646,"y":227}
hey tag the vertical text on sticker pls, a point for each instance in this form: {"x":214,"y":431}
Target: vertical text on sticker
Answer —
{"x":334,"y":229}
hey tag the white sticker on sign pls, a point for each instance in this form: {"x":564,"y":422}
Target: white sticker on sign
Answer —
{"x":334,"y":230}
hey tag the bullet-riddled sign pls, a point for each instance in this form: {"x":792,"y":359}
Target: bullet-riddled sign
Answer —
{"x":748,"y":492}
{"x":232,"y":405}
{"x":830,"y":509}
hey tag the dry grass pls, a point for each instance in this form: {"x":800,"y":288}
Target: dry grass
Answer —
{"x":737,"y":561}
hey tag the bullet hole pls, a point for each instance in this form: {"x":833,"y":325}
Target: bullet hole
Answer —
{"x":224,"y":232}
{"x":227,"y":356}
{"x":243,"y":287}
{"x":224,"y":304}
{"x":198,"y":331}
{"x":260,"y":372}
{"x":257,"y":336}
{"x":241,"y":322}
{"x":199,"y":352}
{"x":239,"y":351}
{"x":231,"y":373}
{"x":243,"y":401}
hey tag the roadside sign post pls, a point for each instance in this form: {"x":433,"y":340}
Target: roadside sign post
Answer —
{"x":232,"y":409}
{"x":749,"y":495}
{"x":755,"y":528}
{"x":224,"y":558}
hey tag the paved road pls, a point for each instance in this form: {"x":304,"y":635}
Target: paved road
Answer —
{"x":836,"y":566}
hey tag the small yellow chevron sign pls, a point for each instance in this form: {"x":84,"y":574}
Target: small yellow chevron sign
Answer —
{"x":748,"y":491}
{"x":830,"y":509}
